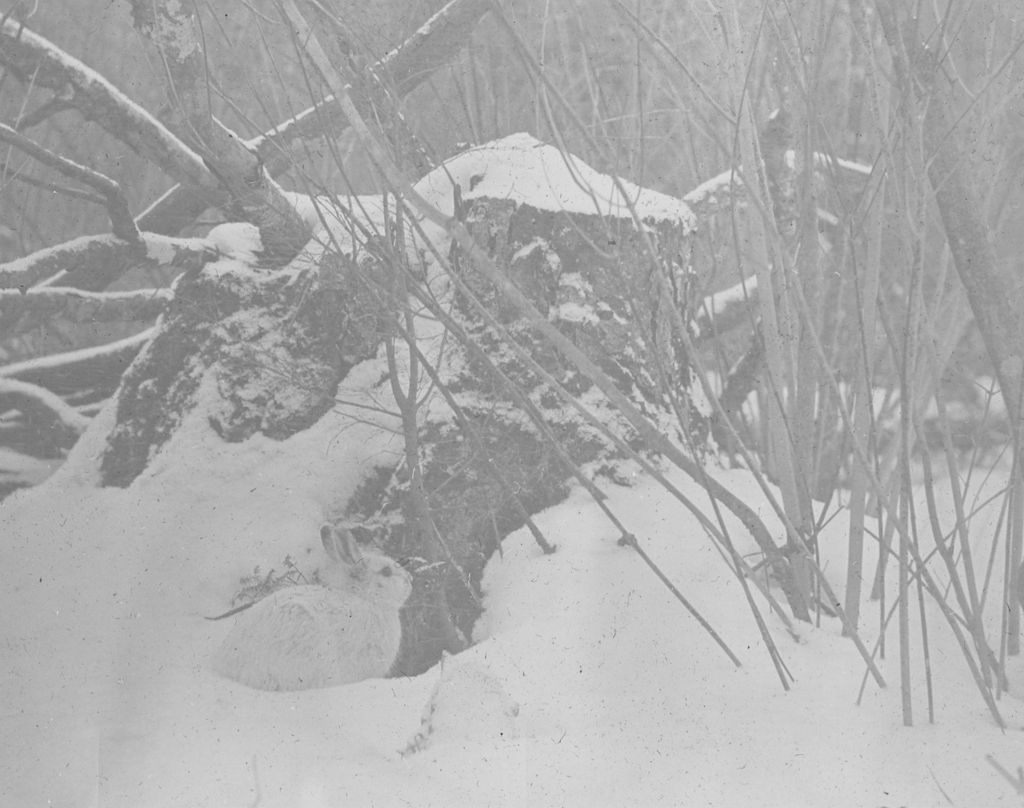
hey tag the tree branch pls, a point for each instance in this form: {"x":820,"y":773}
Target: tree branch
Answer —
{"x":723,"y":311}
{"x":99,"y":368}
{"x":22,"y":311}
{"x":35,"y":60}
{"x":717,"y":194}
{"x":17,"y":174}
{"x":258,"y":199}
{"x":43,"y":112}
{"x":45,"y":412}
{"x":117,"y":206}
{"x":406,"y":68}
{"x":96,"y":261}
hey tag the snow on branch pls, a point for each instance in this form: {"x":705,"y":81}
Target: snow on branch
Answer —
{"x":838,"y":164}
{"x":41,"y":305}
{"x":46,"y":412}
{"x":99,"y":367}
{"x":99,"y":260}
{"x":730,"y":308}
{"x":404,"y":68}
{"x":716,"y":194}
{"x":174,"y":29}
{"x":37,"y":61}
{"x":727,"y":189}
{"x":34,"y":59}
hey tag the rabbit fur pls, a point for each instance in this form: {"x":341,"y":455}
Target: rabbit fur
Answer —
{"x":312,"y":636}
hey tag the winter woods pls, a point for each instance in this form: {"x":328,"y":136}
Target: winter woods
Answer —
{"x":476,"y":257}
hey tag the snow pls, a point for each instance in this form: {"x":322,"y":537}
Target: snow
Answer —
{"x":588,"y":685}
{"x":26,"y":266}
{"x":164,"y":249}
{"x":61,"y":412}
{"x":733,"y":295}
{"x":533,"y":173}
{"x":851,"y":166}
{"x":711,"y":188}
{"x":573,"y":313}
{"x":22,"y":470}
{"x":238,"y":240}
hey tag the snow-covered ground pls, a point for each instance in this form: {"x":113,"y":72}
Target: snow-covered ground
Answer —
{"x":590,"y":684}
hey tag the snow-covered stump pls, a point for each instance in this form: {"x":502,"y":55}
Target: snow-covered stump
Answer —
{"x":611,"y":273}
{"x":604,"y":260}
{"x":597,"y":279}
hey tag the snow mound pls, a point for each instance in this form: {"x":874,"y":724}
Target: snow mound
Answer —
{"x":533,"y":173}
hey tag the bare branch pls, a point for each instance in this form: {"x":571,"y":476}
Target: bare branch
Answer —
{"x":117,"y":206}
{"x":178,"y":208}
{"x":43,"y":112}
{"x":31,"y":58}
{"x":18,"y":175}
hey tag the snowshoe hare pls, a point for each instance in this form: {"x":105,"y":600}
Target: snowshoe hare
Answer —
{"x":303,"y":637}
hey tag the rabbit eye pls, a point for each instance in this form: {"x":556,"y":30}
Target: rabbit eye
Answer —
{"x":386,"y":571}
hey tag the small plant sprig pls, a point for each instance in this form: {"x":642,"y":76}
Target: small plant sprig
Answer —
{"x":257,"y":586}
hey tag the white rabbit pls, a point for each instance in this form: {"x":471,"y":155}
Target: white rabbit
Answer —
{"x":303,"y":637}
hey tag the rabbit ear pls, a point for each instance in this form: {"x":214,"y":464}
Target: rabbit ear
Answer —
{"x":340,"y":544}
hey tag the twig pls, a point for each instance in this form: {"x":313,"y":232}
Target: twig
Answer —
{"x":43,"y":112}
{"x":1017,"y":782}
{"x":629,"y":540}
{"x":18,"y":175}
{"x":466,"y":425}
{"x":121,"y":222}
